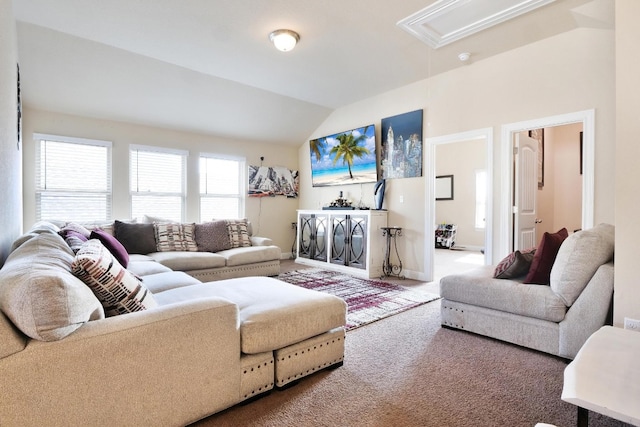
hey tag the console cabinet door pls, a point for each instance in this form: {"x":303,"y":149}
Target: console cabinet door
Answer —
{"x":312,"y":243}
{"x":339,"y":234}
{"x":348,"y":240}
{"x":320,"y":238}
{"x":357,"y":256}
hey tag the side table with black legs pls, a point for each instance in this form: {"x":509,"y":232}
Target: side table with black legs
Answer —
{"x":388,"y":268}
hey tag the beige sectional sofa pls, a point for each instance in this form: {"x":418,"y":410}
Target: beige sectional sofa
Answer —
{"x":196,"y":349}
{"x":555,"y":318}
{"x":260,"y":257}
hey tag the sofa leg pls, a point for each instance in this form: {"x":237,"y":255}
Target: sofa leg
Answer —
{"x":336,"y":366}
{"x":256,"y":397}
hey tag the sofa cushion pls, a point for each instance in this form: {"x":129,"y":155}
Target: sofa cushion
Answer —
{"x":273,"y":314}
{"x":212,"y":236}
{"x":161,"y":282}
{"x":112,"y":244}
{"x":118,"y":289}
{"x":545,"y":256}
{"x":136,"y":238}
{"x":478,"y":287}
{"x":143,"y":265}
{"x":175,"y":237}
{"x":186,"y":261}
{"x":578,"y":259}
{"x":515,"y":264}
{"x":251,"y":255}
{"x":40,"y":295}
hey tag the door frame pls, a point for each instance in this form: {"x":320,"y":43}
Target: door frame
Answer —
{"x":587,"y":118}
{"x":485,"y":134}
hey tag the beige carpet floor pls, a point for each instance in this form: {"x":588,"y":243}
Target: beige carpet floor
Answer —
{"x":408,"y":371}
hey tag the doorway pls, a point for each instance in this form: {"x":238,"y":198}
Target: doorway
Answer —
{"x":552,"y":183}
{"x":482,"y":139}
{"x":586,"y":119}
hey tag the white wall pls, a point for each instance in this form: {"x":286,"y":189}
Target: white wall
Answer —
{"x":271,"y":216}
{"x":10,"y":154}
{"x":626,"y":171}
{"x":570,"y":72}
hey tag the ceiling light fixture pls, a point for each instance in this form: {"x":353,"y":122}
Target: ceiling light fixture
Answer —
{"x":284,"y":40}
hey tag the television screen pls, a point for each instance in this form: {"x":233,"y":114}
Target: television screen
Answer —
{"x":344,"y":158}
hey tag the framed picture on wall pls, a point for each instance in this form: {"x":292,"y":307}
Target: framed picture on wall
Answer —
{"x":444,"y":187}
{"x":538,"y":134}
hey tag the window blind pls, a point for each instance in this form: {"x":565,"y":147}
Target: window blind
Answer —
{"x":222,"y":187}
{"x":73,"y":178}
{"x":157,"y":179}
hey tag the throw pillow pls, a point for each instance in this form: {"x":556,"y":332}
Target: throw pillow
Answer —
{"x":515,"y":264}
{"x":118,"y":289}
{"x":212,"y":236}
{"x":75,"y":240}
{"x":78,"y":228}
{"x":238,"y":233}
{"x":136,"y":238}
{"x":175,"y":237}
{"x":540,"y":270}
{"x":40,"y":295}
{"x":113,"y":245}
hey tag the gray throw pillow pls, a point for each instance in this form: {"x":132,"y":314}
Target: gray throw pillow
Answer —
{"x":136,"y":238}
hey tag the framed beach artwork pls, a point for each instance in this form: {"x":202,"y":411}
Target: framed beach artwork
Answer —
{"x":401,"y":153}
{"x":347,"y":157}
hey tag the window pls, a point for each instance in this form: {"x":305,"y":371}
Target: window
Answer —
{"x":157,"y":182}
{"x":73,"y":178}
{"x":222,"y":187}
{"x":481,"y":198}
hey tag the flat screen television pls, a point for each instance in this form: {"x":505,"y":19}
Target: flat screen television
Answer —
{"x":344,"y":158}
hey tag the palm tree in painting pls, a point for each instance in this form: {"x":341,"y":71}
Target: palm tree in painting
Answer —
{"x":349,"y":148}
{"x":317,"y":147}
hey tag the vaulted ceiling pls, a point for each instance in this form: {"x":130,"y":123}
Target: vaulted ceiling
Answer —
{"x":208,"y":67}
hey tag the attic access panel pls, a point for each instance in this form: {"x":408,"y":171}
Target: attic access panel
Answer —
{"x":446,"y":21}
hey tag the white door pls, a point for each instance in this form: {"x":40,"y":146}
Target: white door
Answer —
{"x":526,"y":189}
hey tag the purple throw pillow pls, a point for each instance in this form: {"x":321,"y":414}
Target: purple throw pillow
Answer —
{"x":113,"y":245}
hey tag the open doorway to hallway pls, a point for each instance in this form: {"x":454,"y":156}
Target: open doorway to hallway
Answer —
{"x":459,"y":198}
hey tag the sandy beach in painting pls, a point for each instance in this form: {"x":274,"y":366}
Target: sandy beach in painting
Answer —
{"x":344,"y":179}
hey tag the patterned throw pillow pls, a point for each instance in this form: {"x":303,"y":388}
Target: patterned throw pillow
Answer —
{"x":238,"y":233}
{"x":212,"y":236}
{"x":118,"y":290}
{"x":175,"y":237}
{"x":515,"y":264}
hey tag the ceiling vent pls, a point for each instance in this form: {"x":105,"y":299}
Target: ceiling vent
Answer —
{"x":446,"y":21}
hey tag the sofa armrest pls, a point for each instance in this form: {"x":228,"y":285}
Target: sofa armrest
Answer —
{"x":588,"y":313}
{"x":129,"y":369}
{"x":261,"y":241}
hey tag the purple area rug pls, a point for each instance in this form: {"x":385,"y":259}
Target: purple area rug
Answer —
{"x":367,"y":300}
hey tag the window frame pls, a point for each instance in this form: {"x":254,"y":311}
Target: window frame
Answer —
{"x":183,"y":185}
{"x":242,"y":183}
{"x":38,"y":138}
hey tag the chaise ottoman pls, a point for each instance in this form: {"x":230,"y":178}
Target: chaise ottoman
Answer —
{"x":304,"y":329}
